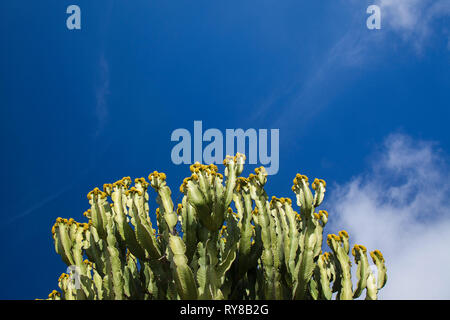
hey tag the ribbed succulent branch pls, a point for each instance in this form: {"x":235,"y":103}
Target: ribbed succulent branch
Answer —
{"x":262,"y":250}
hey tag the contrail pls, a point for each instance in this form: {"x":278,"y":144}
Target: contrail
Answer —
{"x":39,"y":204}
{"x":61,"y":191}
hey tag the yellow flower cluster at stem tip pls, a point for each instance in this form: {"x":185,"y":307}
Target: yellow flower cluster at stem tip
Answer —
{"x":357,"y":247}
{"x":239,"y":158}
{"x":326,"y":256}
{"x":281,"y":200}
{"x":376,"y":254}
{"x":133,"y":190}
{"x":298,"y":179}
{"x":224,"y":228}
{"x":124,"y":182}
{"x":54,"y":293}
{"x":316,"y":183}
{"x":343,"y":234}
{"x":156,"y":174}
{"x":322,"y":213}
{"x":140,"y":180}
{"x":89,"y":263}
{"x":241,"y":182}
{"x":63,"y":276}
{"x":69,"y":222}
{"x":197,"y":167}
{"x":96,"y":193}
{"x":186,"y":180}
{"x":332,"y":237}
{"x":107,"y":188}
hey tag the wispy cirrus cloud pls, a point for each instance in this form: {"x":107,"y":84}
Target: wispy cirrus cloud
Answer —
{"x":102,"y":89}
{"x":415,"y":21}
{"x":101,"y":113}
{"x":401,"y":206}
{"x":101,"y":93}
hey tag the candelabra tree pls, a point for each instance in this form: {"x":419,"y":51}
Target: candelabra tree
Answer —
{"x":225,"y":240}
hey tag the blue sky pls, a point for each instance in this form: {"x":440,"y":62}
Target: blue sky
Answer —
{"x":367,"y":110}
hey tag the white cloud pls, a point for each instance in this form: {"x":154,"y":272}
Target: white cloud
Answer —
{"x":401,"y":206}
{"x":402,"y":14}
{"x":414,"y":20}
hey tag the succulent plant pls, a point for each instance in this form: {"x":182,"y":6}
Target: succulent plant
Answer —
{"x":225,"y":240}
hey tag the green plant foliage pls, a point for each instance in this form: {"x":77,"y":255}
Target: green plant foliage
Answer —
{"x":260,"y":250}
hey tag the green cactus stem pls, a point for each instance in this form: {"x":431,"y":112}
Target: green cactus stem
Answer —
{"x":234,"y":243}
